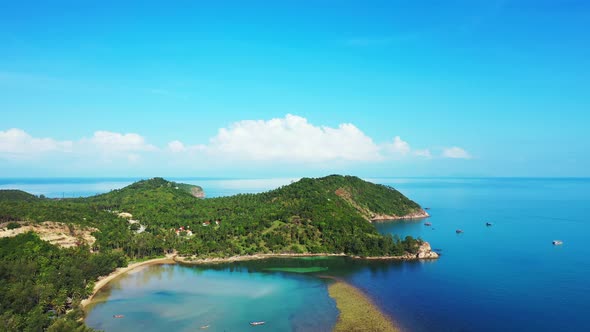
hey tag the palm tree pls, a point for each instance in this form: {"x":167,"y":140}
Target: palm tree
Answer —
{"x":59,"y":307}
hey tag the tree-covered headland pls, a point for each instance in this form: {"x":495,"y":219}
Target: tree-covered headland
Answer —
{"x":42,"y":284}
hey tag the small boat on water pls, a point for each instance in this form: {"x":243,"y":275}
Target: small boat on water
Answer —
{"x":257,"y":323}
{"x":204,"y":327}
{"x":427,"y":224}
{"x":459,"y":231}
{"x":557,"y":242}
{"x":488,"y":224}
{"x":118,"y":316}
{"x":426,"y":208}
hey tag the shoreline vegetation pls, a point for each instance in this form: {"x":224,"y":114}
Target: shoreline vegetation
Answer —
{"x":424,"y":253}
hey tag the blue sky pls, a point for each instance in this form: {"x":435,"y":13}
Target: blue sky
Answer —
{"x":374,"y":88}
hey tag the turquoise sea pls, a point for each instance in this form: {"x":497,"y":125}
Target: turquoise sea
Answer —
{"x":507,"y":277}
{"x":183,"y":298}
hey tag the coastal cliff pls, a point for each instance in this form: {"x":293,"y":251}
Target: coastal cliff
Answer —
{"x":379,"y":203}
{"x":420,"y":214}
{"x":198,"y":192}
{"x":423,"y":252}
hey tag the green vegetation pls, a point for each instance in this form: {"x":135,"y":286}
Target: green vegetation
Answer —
{"x":42,"y":285}
{"x":13,"y":225}
{"x":308,"y":216}
{"x":16,"y":195}
{"x":325,"y":215}
{"x":190,"y":188}
{"x":357,"y":313}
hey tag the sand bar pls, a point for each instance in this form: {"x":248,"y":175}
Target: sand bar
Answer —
{"x":357,"y":311}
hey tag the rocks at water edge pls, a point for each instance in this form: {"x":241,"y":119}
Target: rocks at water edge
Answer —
{"x":425,"y":252}
{"x":419,"y":214}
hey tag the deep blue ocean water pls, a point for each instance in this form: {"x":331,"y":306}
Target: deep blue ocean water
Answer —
{"x":507,"y":277}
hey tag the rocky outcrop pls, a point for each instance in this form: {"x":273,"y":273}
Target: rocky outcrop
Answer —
{"x":421,"y":214}
{"x":60,"y":234}
{"x":198,"y":192}
{"x":125,"y":215}
{"x":424,"y":252}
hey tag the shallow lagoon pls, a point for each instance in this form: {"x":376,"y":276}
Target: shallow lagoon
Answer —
{"x":184,"y":298}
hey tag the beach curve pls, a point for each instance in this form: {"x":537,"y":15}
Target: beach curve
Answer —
{"x":103,"y":281}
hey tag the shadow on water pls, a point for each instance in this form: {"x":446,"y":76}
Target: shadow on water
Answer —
{"x":340,"y":267}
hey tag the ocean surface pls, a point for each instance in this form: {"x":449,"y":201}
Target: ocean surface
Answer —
{"x":506,"y":277}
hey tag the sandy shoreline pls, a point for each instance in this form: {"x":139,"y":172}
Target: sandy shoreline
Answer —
{"x":173,"y":259}
{"x":202,"y":261}
{"x":357,"y":311}
{"x":103,"y":281}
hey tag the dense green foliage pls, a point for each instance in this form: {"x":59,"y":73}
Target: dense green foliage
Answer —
{"x":306,"y":216}
{"x":368,"y":197}
{"x":13,"y":225}
{"x":16,"y":195}
{"x":40,"y":283}
{"x":312,"y":215}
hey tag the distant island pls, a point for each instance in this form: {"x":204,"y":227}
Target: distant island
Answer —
{"x":90,"y":237}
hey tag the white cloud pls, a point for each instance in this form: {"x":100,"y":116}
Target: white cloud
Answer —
{"x":398,"y":147}
{"x":17,"y":143}
{"x":107,"y":141}
{"x":293,"y":138}
{"x":423,"y":153}
{"x":455,"y":152}
{"x":178,"y":147}
{"x":401,"y":148}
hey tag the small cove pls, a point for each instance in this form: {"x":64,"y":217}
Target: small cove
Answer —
{"x":226,"y":298}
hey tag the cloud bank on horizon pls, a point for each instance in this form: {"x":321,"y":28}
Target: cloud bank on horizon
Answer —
{"x":288,"y":140}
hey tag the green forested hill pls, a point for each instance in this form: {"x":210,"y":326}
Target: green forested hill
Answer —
{"x":152,"y":188}
{"x":366,"y":197}
{"x":39,"y":281}
{"x":326,"y":214}
{"x":16,"y":195}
